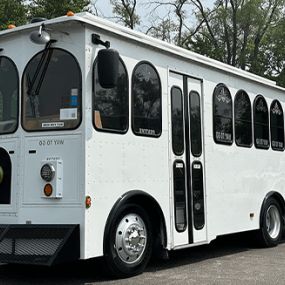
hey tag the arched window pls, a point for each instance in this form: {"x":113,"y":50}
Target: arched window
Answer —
{"x":111,"y":106}
{"x":261,"y":123}
{"x":243,"y":119}
{"x":222,"y":115}
{"x":146,"y":100}
{"x":51,"y":91}
{"x":277,"y":126}
{"x":9,"y":96}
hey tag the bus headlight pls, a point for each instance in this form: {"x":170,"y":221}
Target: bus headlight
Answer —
{"x":47,"y":172}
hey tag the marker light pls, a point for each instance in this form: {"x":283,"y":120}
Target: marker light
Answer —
{"x":11,"y":26}
{"x":47,"y":172}
{"x":48,"y":190}
{"x":69,"y":14}
{"x":1,"y":174}
{"x":88,"y":202}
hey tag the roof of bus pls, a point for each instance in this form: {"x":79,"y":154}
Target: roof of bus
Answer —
{"x":147,"y":40}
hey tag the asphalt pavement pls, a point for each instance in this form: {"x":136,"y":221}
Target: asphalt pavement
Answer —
{"x":229,"y":260}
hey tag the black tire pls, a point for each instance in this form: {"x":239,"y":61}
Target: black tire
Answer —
{"x":270,"y":232}
{"x":116,"y":256}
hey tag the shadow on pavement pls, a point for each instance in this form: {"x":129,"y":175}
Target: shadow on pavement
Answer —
{"x":90,"y":271}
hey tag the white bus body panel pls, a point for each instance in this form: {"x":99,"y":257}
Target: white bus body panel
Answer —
{"x":105,"y":166}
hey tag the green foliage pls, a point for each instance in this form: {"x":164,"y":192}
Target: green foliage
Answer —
{"x":125,"y":11}
{"x":249,"y":34}
{"x":55,"y":8}
{"x":12,"y":12}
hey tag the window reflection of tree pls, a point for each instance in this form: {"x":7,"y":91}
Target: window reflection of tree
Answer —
{"x":223,"y":128}
{"x":277,"y":125}
{"x":177,"y":121}
{"x":146,"y":98}
{"x":261,"y":122}
{"x":8,"y":95}
{"x":243,"y":121}
{"x":113,"y":104}
{"x":195,"y":123}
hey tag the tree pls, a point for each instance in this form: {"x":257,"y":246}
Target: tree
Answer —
{"x":12,"y":12}
{"x":125,"y":11}
{"x":54,"y":8}
{"x":177,"y":9}
{"x":236,"y":31}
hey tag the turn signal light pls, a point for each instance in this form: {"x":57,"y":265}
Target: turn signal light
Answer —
{"x":11,"y":26}
{"x":48,"y":190}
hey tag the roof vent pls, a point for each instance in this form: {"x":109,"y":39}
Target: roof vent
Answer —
{"x":38,"y":19}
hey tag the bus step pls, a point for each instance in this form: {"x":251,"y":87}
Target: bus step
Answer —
{"x":39,"y":244}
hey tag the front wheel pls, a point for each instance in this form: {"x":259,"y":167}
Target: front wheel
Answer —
{"x":271,"y":224}
{"x":128,"y":245}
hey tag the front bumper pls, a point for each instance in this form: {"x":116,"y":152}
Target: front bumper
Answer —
{"x":39,"y":244}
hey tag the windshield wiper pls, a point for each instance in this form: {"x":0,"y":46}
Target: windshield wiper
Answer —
{"x":34,"y":90}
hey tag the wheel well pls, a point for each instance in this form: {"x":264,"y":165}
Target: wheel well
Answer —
{"x":152,"y":208}
{"x":279,"y":198}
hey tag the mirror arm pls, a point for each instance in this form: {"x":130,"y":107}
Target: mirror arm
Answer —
{"x":97,"y":41}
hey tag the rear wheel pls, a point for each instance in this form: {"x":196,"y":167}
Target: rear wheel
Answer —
{"x":271,"y":224}
{"x":128,"y":245}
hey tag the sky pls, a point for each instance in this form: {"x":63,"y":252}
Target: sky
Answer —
{"x":146,"y":14}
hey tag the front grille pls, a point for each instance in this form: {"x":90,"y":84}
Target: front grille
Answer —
{"x":39,"y":244}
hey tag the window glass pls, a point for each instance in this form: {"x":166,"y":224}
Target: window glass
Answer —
{"x":222,"y":115}
{"x":195,"y":123}
{"x":261,"y":123}
{"x":243,"y":120}
{"x":146,"y":100}
{"x":9,"y":94}
{"x":111,"y":106}
{"x":177,"y":121}
{"x":277,"y":125}
{"x":51,"y":89}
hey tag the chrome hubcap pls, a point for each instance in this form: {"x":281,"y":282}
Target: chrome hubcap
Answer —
{"x":131,"y":239}
{"x":273,"y":221}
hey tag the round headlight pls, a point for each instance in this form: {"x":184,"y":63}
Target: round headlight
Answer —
{"x":47,"y":172}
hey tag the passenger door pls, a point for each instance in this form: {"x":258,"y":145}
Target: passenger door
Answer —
{"x":189,"y":221}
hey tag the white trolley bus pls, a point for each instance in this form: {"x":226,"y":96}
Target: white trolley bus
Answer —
{"x":126,"y":151}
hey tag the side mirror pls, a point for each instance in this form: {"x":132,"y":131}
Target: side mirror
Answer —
{"x":108,"y":68}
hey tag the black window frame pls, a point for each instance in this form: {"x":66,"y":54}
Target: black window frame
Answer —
{"x":235,"y":119}
{"x":18,"y":96}
{"x":259,"y":96}
{"x":80,"y":89}
{"x":132,"y":100}
{"x":172,"y":137}
{"x":114,"y":131}
{"x":280,"y":105}
{"x":214,"y":116}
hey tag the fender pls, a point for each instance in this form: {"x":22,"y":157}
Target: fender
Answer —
{"x":132,"y":196}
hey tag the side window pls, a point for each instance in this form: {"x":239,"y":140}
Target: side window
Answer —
{"x":177,"y":121}
{"x":277,"y":126}
{"x":243,"y":119}
{"x":146,"y":101}
{"x":222,"y":115}
{"x":51,"y":91}
{"x":111,"y":106}
{"x":261,"y":123}
{"x":9,"y":96}
{"x":195,"y":123}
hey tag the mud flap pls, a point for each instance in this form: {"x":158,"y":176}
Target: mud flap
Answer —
{"x":39,"y":244}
